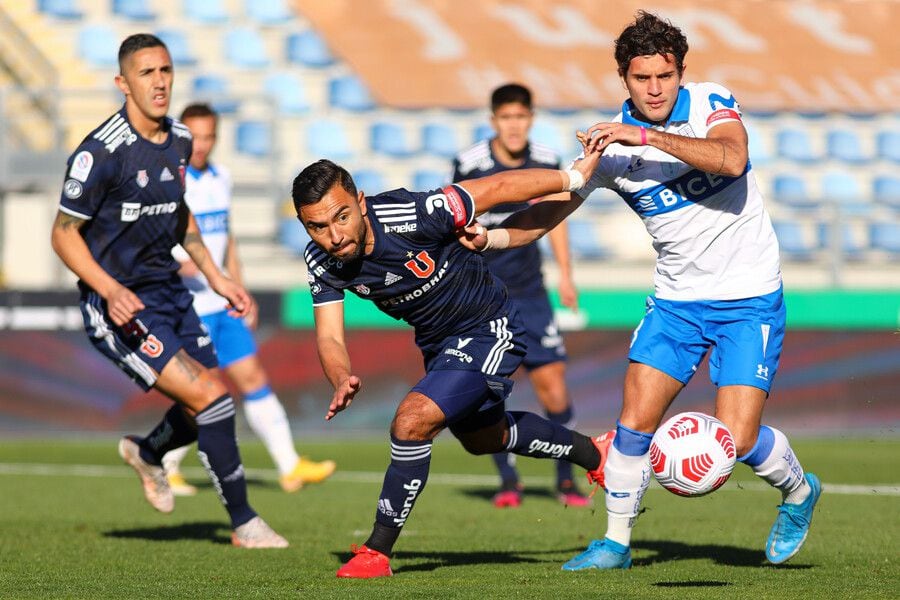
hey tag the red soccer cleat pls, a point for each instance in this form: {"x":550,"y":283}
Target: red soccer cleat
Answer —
{"x":507,"y":499}
{"x":602,"y":444}
{"x":568,"y":495}
{"x":365,"y":564}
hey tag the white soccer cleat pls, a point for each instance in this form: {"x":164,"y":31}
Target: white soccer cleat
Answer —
{"x":153,"y":478}
{"x":256,"y":533}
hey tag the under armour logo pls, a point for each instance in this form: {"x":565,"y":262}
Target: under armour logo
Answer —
{"x":762,"y":371}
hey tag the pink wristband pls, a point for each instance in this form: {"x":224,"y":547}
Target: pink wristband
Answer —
{"x":643,"y":136}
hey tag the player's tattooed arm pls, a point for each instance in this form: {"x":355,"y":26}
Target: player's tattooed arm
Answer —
{"x":66,"y":221}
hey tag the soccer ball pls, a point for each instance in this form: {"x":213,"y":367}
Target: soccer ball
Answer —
{"x":692,"y":454}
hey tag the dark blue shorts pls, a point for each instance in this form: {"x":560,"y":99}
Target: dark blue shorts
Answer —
{"x":543,"y":343}
{"x":142,"y":347}
{"x":468,"y":374}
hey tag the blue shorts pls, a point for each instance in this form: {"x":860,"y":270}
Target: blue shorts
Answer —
{"x":231,"y":336}
{"x":543,"y":343}
{"x":745,"y":338}
{"x":142,"y":347}
{"x":468,"y":374}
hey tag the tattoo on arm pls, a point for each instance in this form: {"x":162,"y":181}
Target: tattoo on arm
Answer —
{"x":65,"y":221}
{"x":193,"y":243}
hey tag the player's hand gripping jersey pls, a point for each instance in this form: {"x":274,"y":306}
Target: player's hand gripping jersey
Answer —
{"x":713,"y":236}
{"x":130,"y":191}
{"x":417,"y":271}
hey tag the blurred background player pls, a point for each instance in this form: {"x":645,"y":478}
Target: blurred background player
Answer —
{"x":122,"y":211}
{"x":208,"y":195}
{"x":512,"y":115}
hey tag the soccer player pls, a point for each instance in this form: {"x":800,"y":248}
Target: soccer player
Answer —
{"x":399,"y":249}
{"x":208,"y":196}
{"x":520,"y":269}
{"x":677,"y":154}
{"x":122,"y":210}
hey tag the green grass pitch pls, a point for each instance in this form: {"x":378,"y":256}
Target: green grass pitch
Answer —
{"x":73,"y":524}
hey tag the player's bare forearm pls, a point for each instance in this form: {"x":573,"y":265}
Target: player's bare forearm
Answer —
{"x":513,"y":186}
{"x":66,"y":240}
{"x":526,"y":226}
{"x":335,"y":360}
{"x":233,"y":261}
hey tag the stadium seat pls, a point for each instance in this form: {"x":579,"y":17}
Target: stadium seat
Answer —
{"x":349,"y":93}
{"x":288,"y":92}
{"x":794,"y":144}
{"x":308,"y":49}
{"x":292,"y":235}
{"x":758,"y":148}
{"x":244,"y":48}
{"x":796,"y":241}
{"x":214,"y":90}
{"x":390,"y":139}
{"x":136,"y":10}
{"x":888,"y":143}
{"x":425,"y":180}
{"x":791,"y":190}
{"x":254,"y":138}
{"x":548,"y":134}
{"x":98,"y":45}
{"x":61,"y":9}
{"x":440,"y":140}
{"x":210,"y":12}
{"x":178,"y":46}
{"x":885,"y":236}
{"x":482,"y":132}
{"x":602,"y":200}
{"x":853,"y":242}
{"x":369,"y":181}
{"x":328,"y":139}
{"x":584,"y":240}
{"x":268,"y":12}
{"x":844,"y":189}
{"x":886,"y":190}
{"x":845,"y":145}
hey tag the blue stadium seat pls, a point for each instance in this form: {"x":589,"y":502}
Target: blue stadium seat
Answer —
{"x":482,"y":132}
{"x":548,"y":134}
{"x":61,"y":9}
{"x":601,"y":200}
{"x":440,"y":140}
{"x":292,"y":235}
{"x":98,"y":45}
{"x":845,"y":145}
{"x":796,"y":241}
{"x":288,"y":92}
{"x":794,"y":144}
{"x":178,"y":46}
{"x":844,"y":189}
{"x":758,"y":149}
{"x":328,"y":139}
{"x":792,"y":191}
{"x":390,"y":139}
{"x":886,"y":190}
{"x":309,"y":49}
{"x":254,"y":138}
{"x":210,"y":12}
{"x":369,"y":181}
{"x":349,"y":93}
{"x":244,"y":48}
{"x":888,"y":143}
{"x":584,"y":240}
{"x":853,"y":242}
{"x":214,"y":90}
{"x":268,"y":12}
{"x":425,"y":180}
{"x":136,"y":10}
{"x":885,"y":236}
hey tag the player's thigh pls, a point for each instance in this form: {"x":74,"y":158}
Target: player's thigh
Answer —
{"x":648,"y":392}
{"x":740,"y":407}
{"x":247,"y":374}
{"x":189,"y":382}
{"x":670,"y":338}
{"x":549,"y":383}
{"x":418,"y":417}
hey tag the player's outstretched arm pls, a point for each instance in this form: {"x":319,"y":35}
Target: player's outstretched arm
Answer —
{"x":122,"y":303}
{"x":334,"y":357}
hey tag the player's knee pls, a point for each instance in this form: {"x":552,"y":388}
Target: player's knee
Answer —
{"x":412,"y":427}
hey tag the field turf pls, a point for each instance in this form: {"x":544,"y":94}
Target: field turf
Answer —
{"x":74,"y":524}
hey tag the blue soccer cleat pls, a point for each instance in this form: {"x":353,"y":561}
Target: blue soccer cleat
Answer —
{"x":792,"y":524}
{"x":601,"y":554}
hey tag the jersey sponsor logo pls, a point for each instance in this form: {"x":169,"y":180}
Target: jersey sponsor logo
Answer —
{"x":212,"y":222}
{"x":462,"y":356}
{"x":412,"y":489}
{"x":130,"y":211}
{"x":404,"y":228}
{"x":694,"y":186}
{"x":142,"y":178}
{"x":425,"y":269}
{"x":81,"y":166}
{"x":717,"y":100}
{"x":362,"y":289}
{"x":166,"y":175}
{"x":72,"y":189}
{"x":722,"y":114}
{"x":418,"y":292}
{"x":152,"y":347}
{"x":391,"y":278}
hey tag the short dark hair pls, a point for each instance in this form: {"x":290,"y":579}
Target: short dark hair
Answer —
{"x":136,"y":42}
{"x":650,"y":35}
{"x":509,"y":93}
{"x":315,"y":180}
{"x":198,"y":109}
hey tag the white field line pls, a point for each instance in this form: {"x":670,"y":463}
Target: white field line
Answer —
{"x":67,"y":470}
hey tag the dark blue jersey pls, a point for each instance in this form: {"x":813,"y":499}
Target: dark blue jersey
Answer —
{"x":131,"y":192}
{"x":417,"y":271}
{"x":519,"y":268}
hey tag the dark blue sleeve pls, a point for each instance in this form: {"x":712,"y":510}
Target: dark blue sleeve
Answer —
{"x":443,"y":211}
{"x":322,"y":292}
{"x":91,"y":172}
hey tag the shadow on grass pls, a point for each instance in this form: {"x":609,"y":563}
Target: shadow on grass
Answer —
{"x":215,"y":532}
{"x":487,"y":494}
{"x":732,"y":556}
{"x":436,"y":560}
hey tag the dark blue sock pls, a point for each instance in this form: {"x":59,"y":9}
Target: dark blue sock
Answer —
{"x":403,"y":483}
{"x":535,"y":436}
{"x":218,"y":451}
{"x":563,"y":468}
{"x":506,"y":466}
{"x":174,"y":431}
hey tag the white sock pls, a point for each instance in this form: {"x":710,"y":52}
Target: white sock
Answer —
{"x":627,"y":478}
{"x":782,"y":470}
{"x":172,"y":460}
{"x":268,"y":421}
